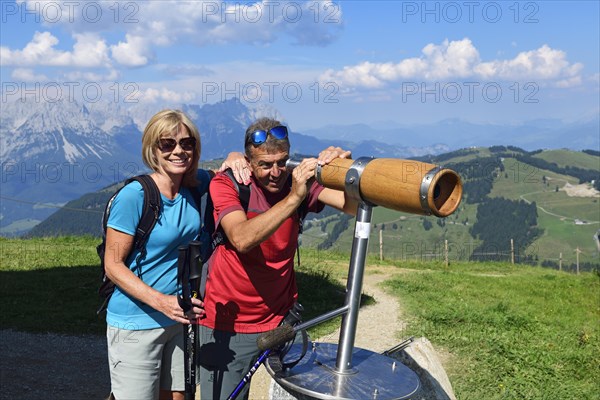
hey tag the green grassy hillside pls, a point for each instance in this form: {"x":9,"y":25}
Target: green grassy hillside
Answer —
{"x":509,"y":332}
{"x":567,"y":222}
{"x":503,"y":331}
{"x":565,"y":158}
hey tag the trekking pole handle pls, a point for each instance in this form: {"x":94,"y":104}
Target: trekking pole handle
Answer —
{"x":194,"y":260}
{"x":284,"y":333}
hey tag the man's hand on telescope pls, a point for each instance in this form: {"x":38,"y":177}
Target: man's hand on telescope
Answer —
{"x":301,"y":176}
{"x":336,"y":198}
{"x":331,"y":153}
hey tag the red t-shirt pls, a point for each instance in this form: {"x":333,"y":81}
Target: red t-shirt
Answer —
{"x":251,"y":293}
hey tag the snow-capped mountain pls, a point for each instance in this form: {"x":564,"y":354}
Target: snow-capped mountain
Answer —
{"x":53,"y":152}
{"x":54,"y":132}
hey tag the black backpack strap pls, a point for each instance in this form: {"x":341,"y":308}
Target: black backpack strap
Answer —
{"x":302,"y":212}
{"x":243,"y":190}
{"x":244,"y":195}
{"x":150,"y":214}
{"x":207,"y":229}
{"x":197,"y":196}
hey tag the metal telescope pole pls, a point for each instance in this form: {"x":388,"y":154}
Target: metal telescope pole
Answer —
{"x":362,"y":230}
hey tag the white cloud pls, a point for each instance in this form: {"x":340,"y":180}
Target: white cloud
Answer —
{"x":152,"y":95}
{"x":146,"y":25}
{"x":460,"y":60}
{"x":134,"y":52}
{"x":203,"y":22}
{"x":88,"y":51}
{"x":448,"y":60}
{"x":544,"y":63}
{"x":110,"y":75}
{"x":27,"y":75}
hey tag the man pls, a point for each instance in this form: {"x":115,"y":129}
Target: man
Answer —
{"x":251,"y":284}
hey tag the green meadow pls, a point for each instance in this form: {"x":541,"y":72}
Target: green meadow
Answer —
{"x":502,"y":331}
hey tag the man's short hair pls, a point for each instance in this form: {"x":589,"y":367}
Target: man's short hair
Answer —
{"x":272,"y":144}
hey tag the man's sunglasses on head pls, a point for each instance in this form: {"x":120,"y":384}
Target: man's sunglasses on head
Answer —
{"x":169,"y":144}
{"x":260,"y":136}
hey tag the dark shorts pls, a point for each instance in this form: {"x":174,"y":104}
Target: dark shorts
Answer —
{"x":225,"y":358}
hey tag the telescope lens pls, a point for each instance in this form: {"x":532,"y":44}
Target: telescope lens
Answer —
{"x":437,"y":190}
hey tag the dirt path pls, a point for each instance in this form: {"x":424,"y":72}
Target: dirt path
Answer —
{"x":377,"y":330}
{"x":51,"y":366}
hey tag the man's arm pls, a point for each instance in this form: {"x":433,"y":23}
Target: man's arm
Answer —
{"x":245,"y":234}
{"x":338,"y":200}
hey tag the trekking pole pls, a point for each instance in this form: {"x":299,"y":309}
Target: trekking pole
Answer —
{"x":246,"y":379}
{"x":189,"y":273}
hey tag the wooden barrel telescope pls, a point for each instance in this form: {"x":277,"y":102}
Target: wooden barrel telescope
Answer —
{"x":403,"y":185}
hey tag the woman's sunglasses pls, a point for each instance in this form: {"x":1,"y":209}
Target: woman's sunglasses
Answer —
{"x":168,"y":144}
{"x":259,"y":137}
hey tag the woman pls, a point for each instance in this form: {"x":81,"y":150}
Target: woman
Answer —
{"x":145,"y":338}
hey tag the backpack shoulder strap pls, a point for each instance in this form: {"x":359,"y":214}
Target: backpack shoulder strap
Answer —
{"x":197,"y":196}
{"x":150,"y":214}
{"x":243,"y":190}
{"x":150,"y":210}
{"x":244,"y":195}
{"x":207,"y":223}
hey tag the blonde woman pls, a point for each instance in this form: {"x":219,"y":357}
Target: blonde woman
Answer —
{"x":145,"y":339}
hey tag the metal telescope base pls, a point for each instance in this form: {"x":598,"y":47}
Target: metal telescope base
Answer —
{"x":373,"y":376}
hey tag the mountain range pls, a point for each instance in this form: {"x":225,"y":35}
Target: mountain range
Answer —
{"x":54,"y":152}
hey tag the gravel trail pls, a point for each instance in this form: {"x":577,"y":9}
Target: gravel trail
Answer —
{"x":65,"y":367}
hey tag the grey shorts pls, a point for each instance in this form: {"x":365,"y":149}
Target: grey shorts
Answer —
{"x":143,"y":362}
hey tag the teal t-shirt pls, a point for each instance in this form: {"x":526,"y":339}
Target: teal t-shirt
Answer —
{"x":178,"y":224}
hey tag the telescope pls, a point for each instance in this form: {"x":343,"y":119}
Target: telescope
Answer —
{"x":402,"y":185}
{"x":341,"y":371}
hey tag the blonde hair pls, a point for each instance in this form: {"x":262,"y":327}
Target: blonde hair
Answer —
{"x":163,"y":122}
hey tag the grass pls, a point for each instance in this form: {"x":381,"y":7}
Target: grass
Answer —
{"x":565,"y":158}
{"x":506,"y":332}
{"x":51,"y":284}
{"x":513,"y":332}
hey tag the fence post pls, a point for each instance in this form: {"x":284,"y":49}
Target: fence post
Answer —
{"x":578,"y":251}
{"x":381,"y":245}
{"x":446,"y":252}
{"x":512,"y":252}
{"x":560,"y":261}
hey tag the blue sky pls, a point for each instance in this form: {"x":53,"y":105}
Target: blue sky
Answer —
{"x":318,"y":63}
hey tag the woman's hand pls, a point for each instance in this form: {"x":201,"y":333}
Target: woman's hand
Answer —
{"x":169,"y":305}
{"x":239,"y":166}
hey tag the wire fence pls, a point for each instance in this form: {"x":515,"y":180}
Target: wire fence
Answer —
{"x":395,"y":248}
